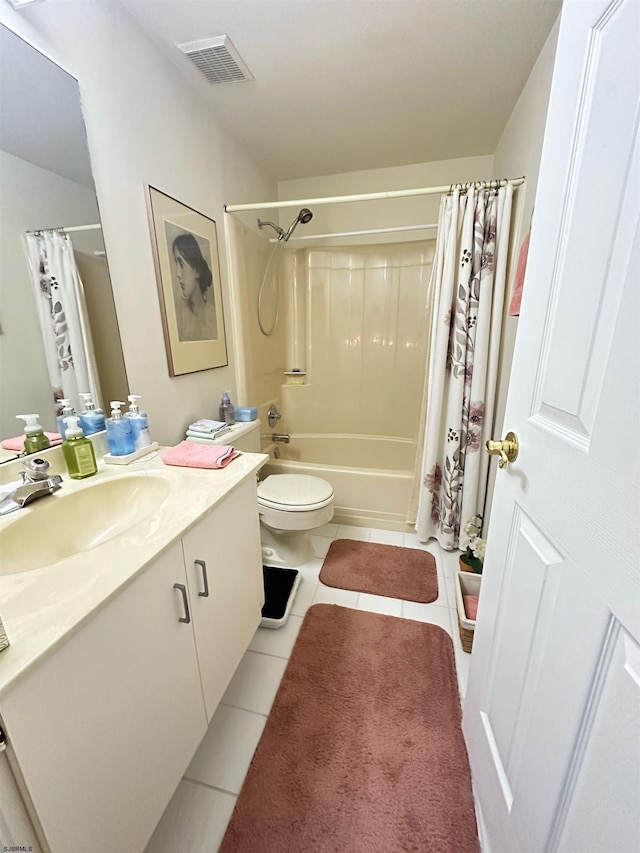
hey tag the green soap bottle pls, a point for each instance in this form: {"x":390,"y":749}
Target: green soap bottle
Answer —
{"x":78,"y":451}
{"x":35,"y":439}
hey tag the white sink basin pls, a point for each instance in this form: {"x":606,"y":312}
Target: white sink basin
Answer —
{"x":60,"y":526}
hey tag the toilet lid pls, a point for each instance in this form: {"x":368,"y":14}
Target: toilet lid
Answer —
{"x":294,"y":491}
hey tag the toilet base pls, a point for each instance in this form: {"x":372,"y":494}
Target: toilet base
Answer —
{"x":288,"y":549}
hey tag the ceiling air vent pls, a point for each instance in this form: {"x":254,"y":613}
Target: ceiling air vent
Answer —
{"x":217,"y":59}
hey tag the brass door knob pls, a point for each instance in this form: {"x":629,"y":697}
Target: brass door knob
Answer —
{"x":507,"y":449}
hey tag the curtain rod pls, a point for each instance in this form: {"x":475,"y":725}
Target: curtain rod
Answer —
{"x":361,"y":233}
{"x":97,"y":227}
{"x":340,"y":199}
{"x":69,"y":229}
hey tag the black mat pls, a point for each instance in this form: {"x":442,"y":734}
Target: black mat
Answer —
{"x":278,"y":583}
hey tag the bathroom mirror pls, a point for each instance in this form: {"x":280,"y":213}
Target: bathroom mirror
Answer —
{"x":46,"y":182}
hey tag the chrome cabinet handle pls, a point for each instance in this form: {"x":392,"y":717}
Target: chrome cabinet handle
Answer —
{"x":187,"y":616}
{"x":203,"y":566}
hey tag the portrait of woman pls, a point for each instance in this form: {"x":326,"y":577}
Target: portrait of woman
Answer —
{"x":192,"y":291}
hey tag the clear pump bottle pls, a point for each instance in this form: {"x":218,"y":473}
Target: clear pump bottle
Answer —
{"x":226,"y":412}
{"x":119,"y":432}
{"x":67,"y":412}
{"x":92,"y":418}
{"x":78,"y":452}
{"x":35,"y":439}
{"x":139,"y":422}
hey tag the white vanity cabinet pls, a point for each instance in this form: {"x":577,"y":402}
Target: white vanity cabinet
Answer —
{"x":103,"y":728}
{"x":226,"y":592}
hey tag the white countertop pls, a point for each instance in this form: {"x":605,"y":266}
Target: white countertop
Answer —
{"x":41,"y":607}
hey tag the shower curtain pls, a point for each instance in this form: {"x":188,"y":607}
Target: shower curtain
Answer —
{"x":63,"y":316}
{"x":469,"y":290}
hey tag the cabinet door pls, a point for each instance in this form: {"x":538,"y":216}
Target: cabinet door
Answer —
{"x":227,"y":541}
{"x":105,"y":726}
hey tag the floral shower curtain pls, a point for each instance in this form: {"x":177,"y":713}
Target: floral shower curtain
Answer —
{"x":469,"y":286}
{"x":63,"y":316}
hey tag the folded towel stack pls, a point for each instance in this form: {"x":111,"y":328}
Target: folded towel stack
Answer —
{"x":208,"y":426}
{"x":193,"y":433}
{"x":17,"y":443}
{"x":189,"y":455}
{"x":207,"y":429}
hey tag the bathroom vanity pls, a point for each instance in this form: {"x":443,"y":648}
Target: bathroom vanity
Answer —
{"x":122,"y":651}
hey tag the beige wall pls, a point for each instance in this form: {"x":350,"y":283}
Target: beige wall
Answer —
{"x":145,"y":125}
{"x":518,"y":153}
{"x":379,"y":214}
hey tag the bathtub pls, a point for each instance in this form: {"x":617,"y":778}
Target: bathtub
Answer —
{"x":372,"y":476}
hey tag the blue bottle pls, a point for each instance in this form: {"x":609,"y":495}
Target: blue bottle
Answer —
{"x":119,"y":432}
{"x":67,"y":412}
{"x":91,"y":419}
{"x":139,"y":422}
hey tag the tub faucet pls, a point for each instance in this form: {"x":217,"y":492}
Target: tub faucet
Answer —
{"x":276,"y":436}
{"x":35,"y":483}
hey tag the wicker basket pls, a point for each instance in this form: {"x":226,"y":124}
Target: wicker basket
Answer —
{"x":466,"y":584}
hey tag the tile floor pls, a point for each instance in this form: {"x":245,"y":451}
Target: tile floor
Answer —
{"x":196,"y":818}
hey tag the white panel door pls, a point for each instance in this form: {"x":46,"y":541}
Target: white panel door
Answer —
{"x":552,"y":713}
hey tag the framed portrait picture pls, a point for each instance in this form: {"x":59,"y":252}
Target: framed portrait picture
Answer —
{"x":188,"y":277}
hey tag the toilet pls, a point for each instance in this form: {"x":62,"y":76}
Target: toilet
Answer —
{"x":290,"y":505}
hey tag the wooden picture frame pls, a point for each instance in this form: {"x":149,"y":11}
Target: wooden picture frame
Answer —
{"x":185,"y":247}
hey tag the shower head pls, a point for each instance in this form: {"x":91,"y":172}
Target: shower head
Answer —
{"x":304,"y":216}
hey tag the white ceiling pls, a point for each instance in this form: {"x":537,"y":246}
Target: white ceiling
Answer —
{"x":344,"y":85}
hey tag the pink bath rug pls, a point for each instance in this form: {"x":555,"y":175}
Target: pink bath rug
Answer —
{"x":389,"y":570}
{"x":362,"y":751}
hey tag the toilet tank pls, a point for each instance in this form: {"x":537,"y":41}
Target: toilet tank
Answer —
{"x":243,"y":436}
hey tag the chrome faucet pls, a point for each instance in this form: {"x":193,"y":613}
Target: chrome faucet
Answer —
{"x":35,"y":483}
{"x":276,"y":436}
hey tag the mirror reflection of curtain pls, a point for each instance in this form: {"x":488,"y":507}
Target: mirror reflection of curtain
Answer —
{"x":63,"y":316}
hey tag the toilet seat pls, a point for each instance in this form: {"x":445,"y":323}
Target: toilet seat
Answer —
{"x":294,"y":492}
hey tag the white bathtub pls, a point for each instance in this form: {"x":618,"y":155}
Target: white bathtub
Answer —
{"x":372,"y":476}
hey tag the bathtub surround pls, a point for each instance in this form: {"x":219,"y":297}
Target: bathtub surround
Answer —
{"x":322,"y":780}
{"x":389,"y":570}
{"x":366,"y":318}
{"x":260,"y":360}
{"x":469,"y":290}
{"x":372,"y":476}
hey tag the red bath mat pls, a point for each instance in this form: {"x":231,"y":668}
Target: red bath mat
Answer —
{"x":389,"y":570}
{"x":363,"y":750}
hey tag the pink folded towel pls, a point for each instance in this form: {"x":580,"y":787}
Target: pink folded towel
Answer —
{"x":471,"y":606}
{"x":190,"y":455}
{"x":516,"y":299}
{"x":17,"y":443}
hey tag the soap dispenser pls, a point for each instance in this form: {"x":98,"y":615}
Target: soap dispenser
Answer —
{"x":78,"y":451}
{"x":67,"y":412}
{"x":139,"y":422}
{"x":226,"y":412}
{"x":119,"y":432}
{"x":91,"y":419}
{"x":35,"y":439}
